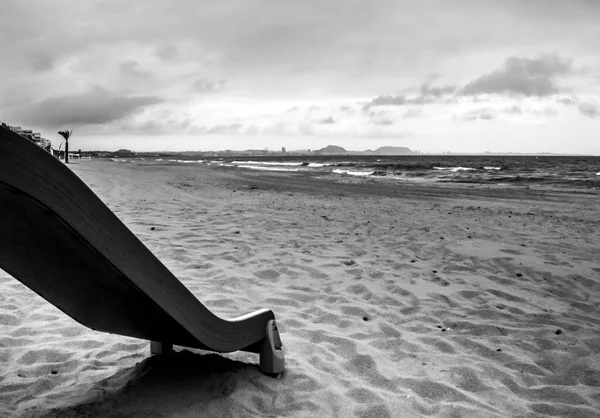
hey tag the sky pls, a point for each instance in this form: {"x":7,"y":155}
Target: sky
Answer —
{"x":433,"y":75}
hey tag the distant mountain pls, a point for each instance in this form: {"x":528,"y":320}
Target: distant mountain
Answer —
{"x":392,"y":151}
{"x":332,"y":149}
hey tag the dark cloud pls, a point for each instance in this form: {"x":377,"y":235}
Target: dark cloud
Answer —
{"x":388,"y":101}
{"x":308,"y":40}
{"x":95,"y":107}
{"x":429,"y":94}
{"x":158,"y":125}
{"x":566,"y":101}
{"x":41,"y":62}
{"x":522,"y":76}
{"x":167,"y":52}
{"x":428,"y":90}
{"x":589,"y":109}
{"x":131,"y":68}
{"x":327,"y":121}
{"x":203,"y":85}
{"x":586,"y":108}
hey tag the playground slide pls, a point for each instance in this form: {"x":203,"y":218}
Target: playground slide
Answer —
{"x":59,"y":239}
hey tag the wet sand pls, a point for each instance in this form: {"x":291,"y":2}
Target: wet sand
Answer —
{"x":392,"y":300}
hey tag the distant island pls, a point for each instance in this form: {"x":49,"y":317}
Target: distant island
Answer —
{"x":337,"y":150}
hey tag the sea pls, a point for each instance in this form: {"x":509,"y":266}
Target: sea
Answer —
{"x":556,"y":171}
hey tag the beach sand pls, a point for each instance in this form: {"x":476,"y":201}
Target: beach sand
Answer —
{"x":392,"y":300}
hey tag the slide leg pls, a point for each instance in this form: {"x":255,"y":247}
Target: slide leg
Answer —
{"x":160,"y":348}
{"x":272,"y":358}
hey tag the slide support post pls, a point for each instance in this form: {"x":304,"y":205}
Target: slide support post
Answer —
{"x":272,"y":358}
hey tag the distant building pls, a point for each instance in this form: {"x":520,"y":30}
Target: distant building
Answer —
{"x":283,"y":150}
{"x":34,"y":137}
{"x":124,"y":153}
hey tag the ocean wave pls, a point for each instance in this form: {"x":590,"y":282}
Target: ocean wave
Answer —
{"x":172,"y":160}
{"x":454,"y":169}
{"x":260,"y":168}
{"x":551,"y":171}
{"x":353,"y":173}
{"x":269,"y":163}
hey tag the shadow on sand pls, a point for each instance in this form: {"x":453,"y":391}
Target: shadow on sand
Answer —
{"x":161,"y":385}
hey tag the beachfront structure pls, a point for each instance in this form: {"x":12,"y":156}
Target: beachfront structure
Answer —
{"x":124,"y":153}
{"x":34,"y":137}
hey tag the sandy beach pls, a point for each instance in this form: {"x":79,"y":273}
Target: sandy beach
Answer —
{"x":393,"y":300}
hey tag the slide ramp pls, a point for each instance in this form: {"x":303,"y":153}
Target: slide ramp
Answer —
{"x":59,"y":239}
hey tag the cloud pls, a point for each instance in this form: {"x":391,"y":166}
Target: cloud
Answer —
{"x":233,"y":128}
{"x":306,"y":129}
{"x":158,"y":124}
{"x":41,"y":62}
{"x":327,"y":121}
{"x":202,"y":85}
{"x":513,"y":110}
{"x":167,"y":52}
{"x":589,"y":109}
{"x":522,"y":76}
{"x":586,"y":108}
{"x":413,"y":113}
{"x":97,"y":106}
{"x":388,"y":101}
{"x":566,"y":101}
{"x":428,"y":90}
{"x":478,"y":114}
{"x":429,"y":94}
{"x":131,"y":69}
{"x":400,"y":100}
{"x":382,"y":118}
{"x":384,"y":121}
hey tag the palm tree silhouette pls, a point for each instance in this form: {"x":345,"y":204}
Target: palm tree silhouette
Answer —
{"x":66,"y":134}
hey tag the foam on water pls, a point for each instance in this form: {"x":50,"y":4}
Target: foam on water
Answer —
{"x":354,"y":173}
{"x":270,"y":163}
{"x":454,"y":169}
{"x":253,"y":167}
{"x":318,"y":165}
